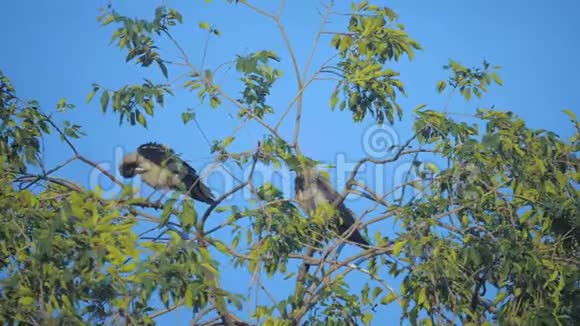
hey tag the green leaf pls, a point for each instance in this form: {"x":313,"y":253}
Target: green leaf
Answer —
{"x":362,"y":5}
{"x":419,"y":107}
{"x":432,"y":167}
{"x":128,"y":267}
{"x":148,"y":106}
{"x":367,"y":318}
{"x":221,"y":247}
{"x":552,"y":278}
{"x":464,"y":220}
{"x":441,"y":86}
{"x":91,"y":95}
{"x":104,"y":100}
{"x":209,"y":268}
{"x":228,"y":140}
{"x":571,"y":114}
{"x":496,"y":78}
{"x":61,"y":103}
{"x":162,"y":67}
{"x":108,"y":20}
{"x":189,"y":296}
{"x":500,"y":297}
{"x":214,"y":102}
{"x":525,"y":216}
{"x":334,"y":99}
{"x":467,"y":94}
{"x":188,"y":216}
{"x":141,"y":118}
{"x":422,"y":297}
{"x":26,"y":301}
{"x":167,"y":211}
{"x":398,"y":246}
{"x":187,"y":116}
{"x":392,"y":296}
{"x":204,"y":25}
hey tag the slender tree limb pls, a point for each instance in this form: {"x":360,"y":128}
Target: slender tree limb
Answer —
{"x":102,"y":170}
{"x":349,"y":182}
{"x":164,"y":311}
{"x":301,"y":91}
{"x":232,"y":191}
{"x":200,"y":315}
{"x":317,"y":39}
{"x":62,"y":134}
{"x":51,"y":171}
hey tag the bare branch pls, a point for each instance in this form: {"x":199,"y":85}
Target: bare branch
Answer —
{"x":49,"y":172}
{"x":317,"y":38}
{"x":62,"y":134}
{"x":164,"y":311}
{"x":300,"y":91}
{"x":102,"y":170}
{"x":232,"y":191}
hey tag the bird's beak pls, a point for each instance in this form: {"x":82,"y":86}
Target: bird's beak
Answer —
{"x":140,"y":170}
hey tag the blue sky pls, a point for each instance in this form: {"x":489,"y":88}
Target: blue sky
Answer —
{"x":55,"y":49}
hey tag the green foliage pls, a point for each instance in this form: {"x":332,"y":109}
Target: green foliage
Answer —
{"x":136,"y":35}
{"x":470,"y":80}
{"x":513,"y":198}
{"x":207,"y":88}
{"x":366,"y":85}
{"x":69,"y":256}
{"x":279,"y":226}
{"x":22,"y":126}
{"x":258,"y":78}
{"x":132,"y":101}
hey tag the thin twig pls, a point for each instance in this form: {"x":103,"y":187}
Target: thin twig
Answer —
{"x":51,"y":171}
{"x":232,"y":191}
{"x":62,"y":134}
{"x":98,"y":167}
{"x":317,"y":39}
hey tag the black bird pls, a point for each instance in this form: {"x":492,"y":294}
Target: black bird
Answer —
{"x":162,"y":169}
{"x":314,"y":190}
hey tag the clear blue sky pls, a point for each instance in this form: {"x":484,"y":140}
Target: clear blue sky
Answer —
{"x":55,"y":49}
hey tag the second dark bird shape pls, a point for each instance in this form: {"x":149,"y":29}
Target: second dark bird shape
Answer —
{"x":314,"y":191}
{"x":161,"y":169}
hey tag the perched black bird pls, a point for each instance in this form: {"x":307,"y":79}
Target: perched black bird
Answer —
{"x":312,"y":190}
{"x":161,"y":168}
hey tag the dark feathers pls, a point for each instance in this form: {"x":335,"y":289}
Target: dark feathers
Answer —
{"x":318,"y":191}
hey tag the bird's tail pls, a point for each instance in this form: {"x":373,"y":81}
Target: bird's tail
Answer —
{"x":199,"y":191}
{"x":357,"y":238}
{"x":203,"y":193}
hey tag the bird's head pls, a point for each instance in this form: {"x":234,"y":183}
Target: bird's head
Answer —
{"x":129,"y":167}
{"x":299,"y":182}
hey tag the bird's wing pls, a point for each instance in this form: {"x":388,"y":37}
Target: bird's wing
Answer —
{"x":191,"y":183}
{"x":310,"y":195}
{"x":346,"y":216}
{"x":195,"y":187}
{"x":165,"y":157}
{"x":159,"y":155}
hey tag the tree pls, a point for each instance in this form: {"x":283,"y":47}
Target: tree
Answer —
{"x":489,"y":236}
